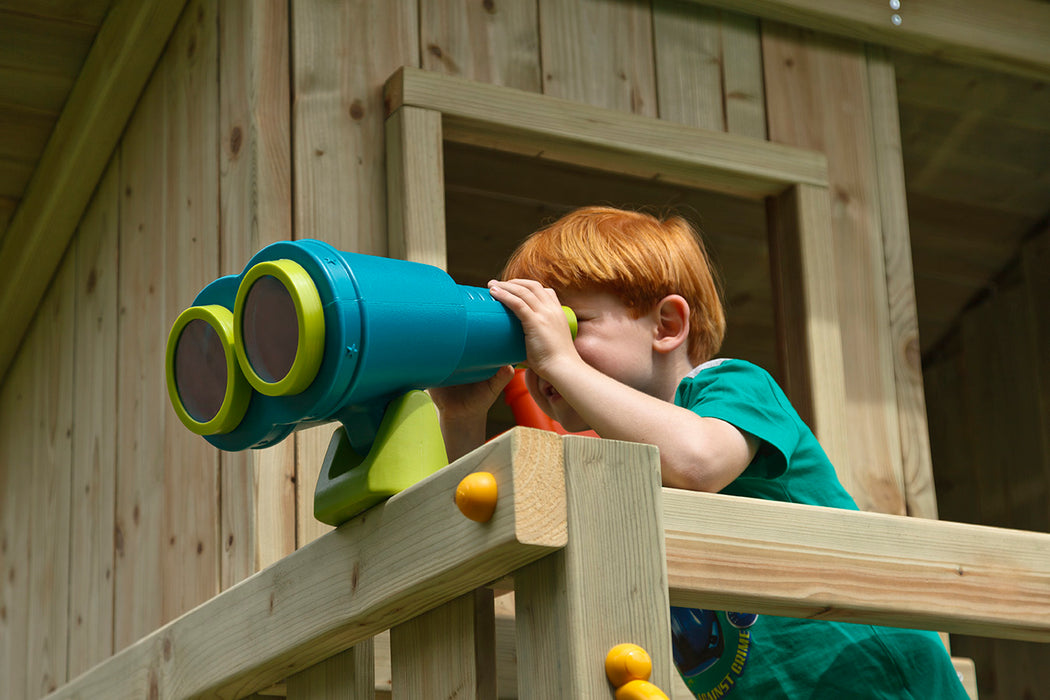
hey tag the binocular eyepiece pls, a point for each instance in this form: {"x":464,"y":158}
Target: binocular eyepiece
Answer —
{"x":307,"y":334}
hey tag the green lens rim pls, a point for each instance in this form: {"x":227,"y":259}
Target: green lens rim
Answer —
{"x":310,"y":315}
{"x":238,"y":391}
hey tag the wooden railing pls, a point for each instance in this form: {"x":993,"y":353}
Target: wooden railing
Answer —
{"x":595,"y":550}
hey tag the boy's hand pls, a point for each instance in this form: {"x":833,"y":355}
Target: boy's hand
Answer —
{"x":547,"y":336}
{"x":468,"y":402}
{"x":463,"y":411}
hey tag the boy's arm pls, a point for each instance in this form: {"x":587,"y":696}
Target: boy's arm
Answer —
{"x":697,"y":453}
{"x":463,"y":411}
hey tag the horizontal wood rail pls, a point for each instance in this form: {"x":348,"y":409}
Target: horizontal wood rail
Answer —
{"x":587,"y":567}
{"x":384,"y":567}
{"x":563,"y":131}
{"x":1008,"y":36}
{"x":732,"y":553}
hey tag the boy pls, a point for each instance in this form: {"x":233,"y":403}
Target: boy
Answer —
{"x":641,"y":369}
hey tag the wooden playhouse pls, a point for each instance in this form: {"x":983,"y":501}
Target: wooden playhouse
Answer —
{"x":873,"y":180}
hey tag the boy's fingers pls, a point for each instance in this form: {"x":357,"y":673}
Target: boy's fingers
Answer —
{"x":530,"y":292}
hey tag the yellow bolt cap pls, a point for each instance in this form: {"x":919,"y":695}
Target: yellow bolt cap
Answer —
{"x":640,"y":690}
{"x":476,"y":496}
{"x":627,"y":662}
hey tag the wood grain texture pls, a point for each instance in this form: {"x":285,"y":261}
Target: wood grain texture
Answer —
{"x":1009,"y":37}
{"x":856,"y":567}
{"x":118,"y":65}
{"x":16,"y":425}
{"x":255,"y":209}
{"x":494,"y":42}
{"x":50,"y":470}
{"x":570,"y":132}
{"x":449,"y":652}
{"x":916,"y":461}
{"x":93,"y":482}
{"x":809,"y":341}
{"x":349,"y":675}
{"x":387,"y":565}
{"x":614,"y":561}
{"x":341,"y":54}
{"x":817,"y":97}
{"x":415,"y":177}
{"x":688,"y":34}
{"x":167,"y":518}
{"x":743,"y":79}
{"x":599,"y":53}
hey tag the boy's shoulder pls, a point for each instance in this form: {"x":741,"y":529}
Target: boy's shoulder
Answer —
{"x":722,"y":367}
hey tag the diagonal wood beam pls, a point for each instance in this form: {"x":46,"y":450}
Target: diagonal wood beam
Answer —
{"x":126,"y":48}
{"x":1011,"y":36}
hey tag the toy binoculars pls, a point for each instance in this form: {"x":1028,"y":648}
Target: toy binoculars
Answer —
{"x":307,"y":334}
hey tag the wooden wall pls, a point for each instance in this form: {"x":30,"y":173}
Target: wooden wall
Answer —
{"x":988,"y":391}
{"x":264,"y":121}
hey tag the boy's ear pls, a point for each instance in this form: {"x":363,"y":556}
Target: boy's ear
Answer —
{"x":672,"y":323}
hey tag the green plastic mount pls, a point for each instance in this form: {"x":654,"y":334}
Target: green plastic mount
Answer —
{"x":408,"y":448}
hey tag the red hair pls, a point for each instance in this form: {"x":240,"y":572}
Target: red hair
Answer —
{"x":637,"y":257}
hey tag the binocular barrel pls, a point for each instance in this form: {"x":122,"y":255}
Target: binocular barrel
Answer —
{"x":307,"y":334}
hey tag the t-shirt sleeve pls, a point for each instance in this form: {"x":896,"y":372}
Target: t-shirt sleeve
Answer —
{"x":747,"y":397}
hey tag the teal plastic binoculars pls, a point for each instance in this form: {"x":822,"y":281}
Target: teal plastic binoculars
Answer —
{"x":307,"y":334}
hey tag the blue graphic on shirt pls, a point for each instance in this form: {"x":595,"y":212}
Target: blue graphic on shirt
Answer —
{"x":710,"y":649}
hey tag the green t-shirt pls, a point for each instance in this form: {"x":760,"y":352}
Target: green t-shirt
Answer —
{"x":777,"y":657}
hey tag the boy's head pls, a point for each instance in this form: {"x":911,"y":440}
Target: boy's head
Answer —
{"x":637,"y":257}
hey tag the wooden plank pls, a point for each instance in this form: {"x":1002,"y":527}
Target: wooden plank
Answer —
{"x":688,"y":35}
{"x":486,"y":41}
{"x":387,"y":565}
{"x":16,"y":454}
{"x":84,"y":12}
{"x":614,"y":561}
{"x":349,"y":675}
{"x":916,"y":461}
{"x":856,"y":566}
{"x":141,"y":333}
{"x":415,"y":183}
{"x":1009,"y":36}
{"x":570,"y":132}
{"x":40,"y":45}
{"x":599,"y":53}
{"x":255,"y":209}
{"x":722,"y":88}
{"x":745,"y":101}
{"x":949,"y":418}
{"x":967,"y":674}
{"x":93,"y":481}
{"x":189,"y":473}
{"x":817,"y":97}
{"x":111,"y":79}
{"x":803,"y":279}
{"x":1007,"y":399}
{"x":168,"y":498}
{"x":1035,"y":266}
{"x":49,"y":525}
{"x":338,"y":158}
{"x":449,"y":652}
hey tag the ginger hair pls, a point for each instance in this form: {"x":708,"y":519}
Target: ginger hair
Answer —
{"x":633,"y":255}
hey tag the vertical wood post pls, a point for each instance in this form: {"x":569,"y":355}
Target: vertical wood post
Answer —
{"x":808,"y":337}
{"x":416,"y":186}
{"x":609,"y":584}
{"x":349,"y":675}
{"x":449,"y":652}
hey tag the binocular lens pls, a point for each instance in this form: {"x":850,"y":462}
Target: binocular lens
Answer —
{"x":280,"y":327}
{"x":271,"y":329}
{"x":200,"y":370}
{"x":205,"y":384}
